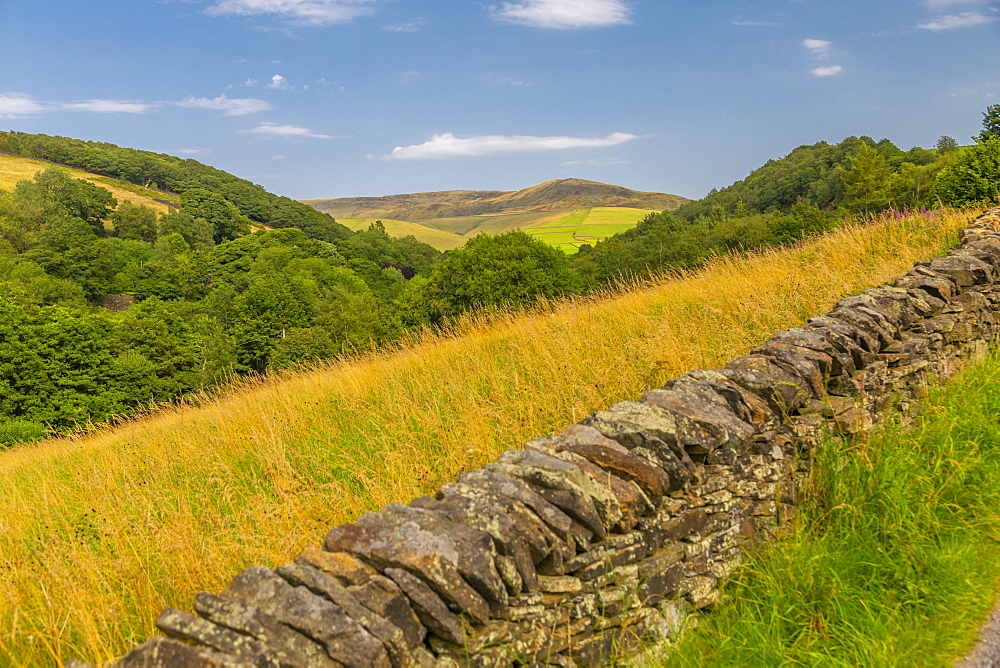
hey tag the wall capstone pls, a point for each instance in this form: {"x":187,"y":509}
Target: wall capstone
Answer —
{"x":578,"y":546}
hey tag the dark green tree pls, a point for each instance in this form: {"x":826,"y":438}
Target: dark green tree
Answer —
{"x":76,"y":197}
{"x":991,"y":123}
{"x":946,"y":144}
{"x":974,"y":179}
{"x":136,"y":222}
{"x":226,"y":220}
{"x":510,"y":269}
{"x":70,"y":249}
{"x":867,"y":182}
{"x":159,"y":333}
{"x":197,"y":232}
{"x":263,"y":314}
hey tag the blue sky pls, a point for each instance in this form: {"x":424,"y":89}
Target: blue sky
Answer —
{"x":335,"y":98}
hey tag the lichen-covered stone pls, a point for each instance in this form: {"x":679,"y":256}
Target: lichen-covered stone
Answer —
{"x":431,"y":610}
{"x":652,"y":479}
{"x":315,"y":617}
{"x":160,"y":652}
{"x":289,"y":645}
{"x":390,"y":541}
{"x":348,"y":570}
{"x":324,"y":585}
{"x":185,"y":626}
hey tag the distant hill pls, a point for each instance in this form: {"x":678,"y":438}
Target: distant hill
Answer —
{"x":556,"y":195}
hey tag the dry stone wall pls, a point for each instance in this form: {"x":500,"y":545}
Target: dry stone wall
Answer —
{"x":577,"y":546}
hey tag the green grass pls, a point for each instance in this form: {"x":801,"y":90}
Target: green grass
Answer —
{"x":566,"y":229}
{"x":895,"y":561}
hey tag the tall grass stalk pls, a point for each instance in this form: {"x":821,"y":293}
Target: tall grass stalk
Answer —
{"x":98,"y":533}
{"x":896,"y":561}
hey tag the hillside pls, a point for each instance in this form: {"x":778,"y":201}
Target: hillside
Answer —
{"x":174,"y":175}
{"x":438,"y":238}
{"x":149,"y":513}
{"x":556,"y":195}
{"x":14,"y":168}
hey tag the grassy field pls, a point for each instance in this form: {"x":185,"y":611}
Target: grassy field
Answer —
{"x":566,"y":229}
{"x":99,"y":532}
{"x":17,"y":168}
{"x":896,"y":559}
{"x":588,"y":226}
{"x":400,"y":228}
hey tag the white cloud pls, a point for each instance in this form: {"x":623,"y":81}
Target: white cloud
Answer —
{"x":938,"y":5}
{"x":410,"y":26}
{"x":279,"y":82}
{"x":249,"y":83}
{"x":593,"y":162}
{"x":112,"y":106}
{"x":829,"y":71}
{"x":448,"y":145}
{"x":756,"y":23}
{"x":275,"y":130}
{"x":565,"y":14}
{"x":818,"y":48}
{"x":16,"y":105}
{"x":310,"y":12}
{"x":960,"y":20}
{"x":229,"y":106}
{"x":194,"y":151}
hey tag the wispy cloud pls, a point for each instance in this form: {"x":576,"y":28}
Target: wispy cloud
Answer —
{"x":194,"y":151}
{"x":960,"y":20}
{"x":565,"y":14}
{"x":594,"y":162}
{"x":112,"y":106}
{"x":308,"y":12}
{"x":276,"y":130}
{"x":831,"y":70}
{"x":448,"y":145}
{"x":941,"y":5}
{"x":769,"y":24}
{"x":818,"y":48}
{"x":15,"y":105}
{"x":410,"y":26}
{"x":18,"y":105}
{"x":228,"y":106}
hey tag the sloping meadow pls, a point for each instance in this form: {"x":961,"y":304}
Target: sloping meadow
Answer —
{"x":99,"y":533}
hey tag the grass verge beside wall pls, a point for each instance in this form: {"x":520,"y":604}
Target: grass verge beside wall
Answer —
{"x":895,"y":561}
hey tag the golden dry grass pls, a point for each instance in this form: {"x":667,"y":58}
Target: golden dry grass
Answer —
{"x":14,"y":168}
{"x":99,"y":533}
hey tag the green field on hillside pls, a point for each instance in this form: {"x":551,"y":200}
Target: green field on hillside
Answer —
{"x":14,"y":168}
{"x":567,"y":229}
{"x":588,"y":226}
{"x":439,"y":239}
